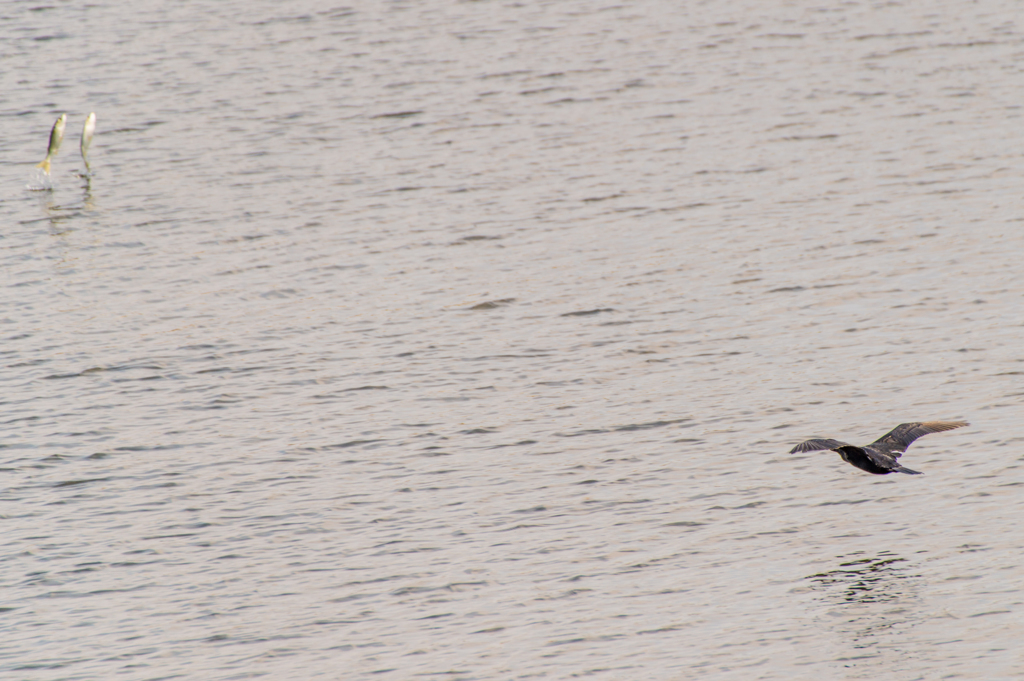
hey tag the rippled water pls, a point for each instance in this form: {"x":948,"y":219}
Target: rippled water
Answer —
{"x":468,"y":340}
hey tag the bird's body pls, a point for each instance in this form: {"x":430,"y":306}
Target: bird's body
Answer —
{"x":880,"y":457}
{"x":56,"y":137}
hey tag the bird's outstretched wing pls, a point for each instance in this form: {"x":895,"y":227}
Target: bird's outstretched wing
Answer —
{"x":815,"y":445}
{"x":896,"y":441}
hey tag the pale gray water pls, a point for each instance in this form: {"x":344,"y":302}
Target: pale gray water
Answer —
{"x":467,"y":340}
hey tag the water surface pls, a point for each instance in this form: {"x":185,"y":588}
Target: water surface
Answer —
{"x":467,"y":341}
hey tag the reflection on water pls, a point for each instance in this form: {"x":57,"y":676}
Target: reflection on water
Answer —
{"x":866,"y":579}
{"x":875,"y":601}
{"x":59,"y":214}
{"x":87,"y":203}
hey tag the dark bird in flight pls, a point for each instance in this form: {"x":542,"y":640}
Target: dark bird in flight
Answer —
{"x":880,"y":456}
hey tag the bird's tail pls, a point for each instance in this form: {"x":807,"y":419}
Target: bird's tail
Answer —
{"x":45,"y":164}
{"x":902,"y":469}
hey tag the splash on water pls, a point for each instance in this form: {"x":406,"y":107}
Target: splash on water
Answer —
{"x":40,"y":181}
